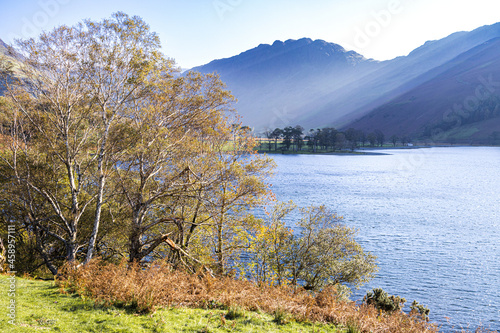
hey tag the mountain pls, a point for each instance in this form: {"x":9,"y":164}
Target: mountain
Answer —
{"x":315,"y":84}
{"x":10,"y":55}
{"x":404,"y":73}
{"x":9,"y":52}
{"x":3,"y":46}
{"x":459,"y":104}
{"x":3,"y":54}
{"x":275,"y":83}
{"x":318,"y":84}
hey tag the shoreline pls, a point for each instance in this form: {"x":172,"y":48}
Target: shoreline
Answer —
{"x":355,"y":153}
{"x":363,"y":151}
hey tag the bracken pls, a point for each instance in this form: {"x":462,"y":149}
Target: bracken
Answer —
{"x":146,"y":289}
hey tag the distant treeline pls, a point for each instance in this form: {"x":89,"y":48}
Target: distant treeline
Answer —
{"x":325,"y":139}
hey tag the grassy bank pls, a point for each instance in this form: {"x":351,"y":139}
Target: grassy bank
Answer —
{"x":41,"y":307}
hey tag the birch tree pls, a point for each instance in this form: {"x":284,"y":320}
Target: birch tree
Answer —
{"x":71,"y":89}
{"x":184,"y":174}
{"x":101,"y":127}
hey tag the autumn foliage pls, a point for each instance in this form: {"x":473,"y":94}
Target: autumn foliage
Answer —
{"x":107,"y":150}
{"x":147,"y":289}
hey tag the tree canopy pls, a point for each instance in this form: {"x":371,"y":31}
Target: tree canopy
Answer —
{"x":108,"y":142}
{"x":318,"y":252}
{"x":107,"y":150}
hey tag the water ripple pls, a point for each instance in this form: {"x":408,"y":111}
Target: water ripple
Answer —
{"x":434,"y":225}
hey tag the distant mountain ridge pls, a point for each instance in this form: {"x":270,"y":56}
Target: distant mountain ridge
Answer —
{"x":274,"y":82}
{"x":318,"y":84}
{"x":281,"y":55}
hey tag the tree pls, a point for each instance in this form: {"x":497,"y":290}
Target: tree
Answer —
{"x":276,"y":135}
{"x":312,"y":139}
{"x":352,"y":136}
{"x":297,"y":133}
{"x":271,"y":247}
{"x":340,"y":141}
{"x":327,"y":137}
{"x":269,"y":135}
{"x":238,"y":188}
{"x":158,"y":139}
{"x":74,"y":85}
{"x":372,"y":138}
{"x":288,"y":133}
{"x":52,"y":123}
{"x":182,"y":186}
{"x":380,"y":137}
{"x":394,"y":139}
{"x":126,"y":64}
{"x":321,"y":252}
{"x":362,"y":137}
{"x":107,"y":150}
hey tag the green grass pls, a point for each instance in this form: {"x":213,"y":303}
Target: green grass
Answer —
{"x":459,"y":133}
{"x":41,"y":307}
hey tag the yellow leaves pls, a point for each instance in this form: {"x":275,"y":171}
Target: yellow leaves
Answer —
{"x":320,"y":251}
{"x":107,"y":102}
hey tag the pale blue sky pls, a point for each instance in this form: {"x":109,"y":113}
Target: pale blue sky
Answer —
{"x":194,"y":32}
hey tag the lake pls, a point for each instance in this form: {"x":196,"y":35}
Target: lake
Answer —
{"x":432,"y":216}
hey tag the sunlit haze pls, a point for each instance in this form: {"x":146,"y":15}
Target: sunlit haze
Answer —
{"x":196,"y":32}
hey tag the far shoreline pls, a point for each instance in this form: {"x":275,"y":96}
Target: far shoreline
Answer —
{"x":355,"y":153}
{"x":363,"y":151}
{"x":367,"y":151}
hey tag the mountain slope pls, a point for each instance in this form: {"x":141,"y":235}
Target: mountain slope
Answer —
{"x":397,"y":76}
{"x":9,"y":55}
{"x":3,"y":46}
{"x":9,"y":52}
{"x":460,"y":104}
{"x":317,"y":84}
{"x":3,"y":57}
{"x":274,"y":83}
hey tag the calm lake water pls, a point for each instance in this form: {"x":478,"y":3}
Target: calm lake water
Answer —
{"x":432,"y":216}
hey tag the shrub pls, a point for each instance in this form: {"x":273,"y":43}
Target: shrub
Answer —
{"x":421,"y":310}
{"x":352,"y":329}
{"x":383,"y":301}
{"x":322,"y":251}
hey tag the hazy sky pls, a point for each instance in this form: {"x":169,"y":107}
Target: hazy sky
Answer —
{"x":194,"y":32}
